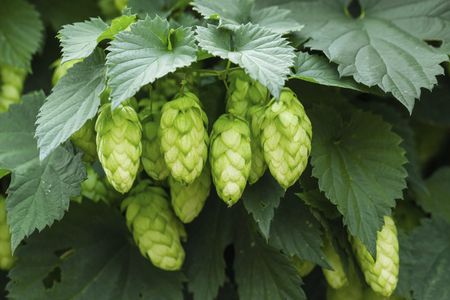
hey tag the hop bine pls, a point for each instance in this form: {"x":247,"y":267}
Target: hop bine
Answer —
{"x":230,"y":157}
{"x":6,"y":258}
{"x":286,"y":138}
{"x":184,"y":138}
{"x":119,"y":145}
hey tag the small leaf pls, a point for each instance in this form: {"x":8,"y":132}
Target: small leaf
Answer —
{"x":264,"y":55}
{"x":73,"y":101}
{"x":144,"y":54}
{"x":437,"y":201}
{"x":117,"y":25}
{"x":79,"y":40}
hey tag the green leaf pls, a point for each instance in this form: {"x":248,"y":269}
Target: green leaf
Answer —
{"x":117,"y":25}
{"x":437,"y":201}
{"x":89,"y":255}
{"x":152,"y":8}
{"x":431,"y":252}
{"x":209,"y":235}
{"x":233,"y":13}
{"x":316,"y":69}
{"x":150,"y":50}
{"x":406,"y":269}
{"x":375,"y":48}
{"x":261,"y":199}
{"x":79,"y":40}
{"x":262,"y":272}
{"x":359,"y":163}
{"x":295,"y":230}
{"x":3,"y":173}
{"x":73,"y":101}
{"x":264,"y":55}
{"x":20,"y":33}
{"x":40,"y":191}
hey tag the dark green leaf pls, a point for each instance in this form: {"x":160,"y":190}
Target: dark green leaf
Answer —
{"x":151,"y":8}
{"x":437,"y":201}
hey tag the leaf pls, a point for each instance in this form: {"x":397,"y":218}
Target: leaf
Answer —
{"x":3,"y":173}
{"x":437,"y":201}
{"x":205,"y":264}
{"x":431,"y":252}
{"x":262,"y":272}
{"x":406,"y":269}
{"x":40,"y":191}
{"x":295,"y":230}
{"x":20,"y":33}
{"x":74,"y":100}
{"x":316,"y":69}
{"x":117,"y":25}
{"x":261,"y":199}
{"x":359,"y":165}
{"x":94,"y":258}
{"x":150,"y":50}
{"x":233,"y":13}
{"x":375,"y":48}
{"x":79,"y":40}
{"x":152,"y":8}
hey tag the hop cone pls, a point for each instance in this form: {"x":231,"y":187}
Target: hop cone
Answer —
{"x":382,"y":274}
{"x":119,"y":145}
{"x":84,"y":139}
{"x":6,"y":258}
{"x":244,"y":93}
{"x":97,"y":189}
{"x":155,"y":228}
{"x":230,"y":157}
{"x":188,"y":200}
{"x":12,"y":85}
{"x":351,"y":291}
{"x":61,"y":69}
{"x":303,"y":267}
{"x":286,"y":138}
{"x":258,"y":165}
{"x":184,"y":139}
{"x":336,"y":278}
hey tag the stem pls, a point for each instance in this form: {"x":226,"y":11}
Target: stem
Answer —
{"x":169,"y":42}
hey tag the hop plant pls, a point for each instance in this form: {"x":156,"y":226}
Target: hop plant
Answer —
{"x":119,"y":145}
{"x":97,"y":189}
{"x":336,"y":277}
{"x":155,"y":228}
{"x":84,"y":139}
{"x":188,"y":200}
{"x":303,"y":267}
{"x":286,"y":138}
{"x":12,"y":85}
{"x":258,"y":165}
{"x":351,"y":291}
{"x":184,"y":138}
{"x":230,"y":157}
{"x":61,"y":69}
{"x":6,"y":258}
{"x":381,"y":274}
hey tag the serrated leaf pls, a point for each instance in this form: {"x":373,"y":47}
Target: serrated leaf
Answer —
{"x":208,"y":237}
{"x":264,"y":55}
{"x":376,"y":49}
{"x":20,"y":33}
{"x":95,"y":258}
{"x":40,"y":191}
{"x":117,"y":25}
{"x":150,"y":50}
{"x":79,"y":40}
{"x":295,"y":230}
{"x":360,"y":166}
{"x":262,"y":272}
{"x":261,"y":199}
{"x":74,"y":100}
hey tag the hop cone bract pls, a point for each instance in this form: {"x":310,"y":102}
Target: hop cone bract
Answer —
{"x":230,"y":157}
{"x":119,"y":145}
{"x":188,"y":200}
{"x":12,"y":85}
{"x":303,"y":267}
{"x":97,"y":189}
{"x":155,"y":228}
{"x":336,"y":277}
{"x":184,"y":138}
{"x":84,"y":139}
{"x":6,"y":258}
{"x":286,"y":138}
{"x":258,"y":165}
{"x":381,"y":274}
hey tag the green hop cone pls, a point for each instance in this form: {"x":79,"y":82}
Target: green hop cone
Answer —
{"x":258,"y":165}
{"x":120,"y":4}
{"x":61,"y":69}
{"x":286,"y":138}
{"x":336,"y":277}
{"x":6,"y":258}
{"x":12,"y":86}
{"x":188,"y":200}
{"x":303,"y":267}
{"x":119,"y":145}
{"x":155,"y":228}
{"x":230,"y":157}
{"x":184,"y":138}
{"x":84,"y":139}
{"x":381,"y":274}
{"x":97,"y":189}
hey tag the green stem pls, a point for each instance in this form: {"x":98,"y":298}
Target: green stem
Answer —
{"x":169,"y":42}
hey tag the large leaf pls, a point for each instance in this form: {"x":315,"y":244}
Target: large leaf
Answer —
{"x":381,"y":47}
{"x":80,"y":39}
{"x":208,"y":237}
{"x":40,"y":191}
{"x":264,"y":55}
{"x":359,"y":164}
{"x":437,"y":201}
{"x":150,"y":50}
{"x":89,"y":255}
{"x":73,"y":101}
{"x":20,"y":32}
